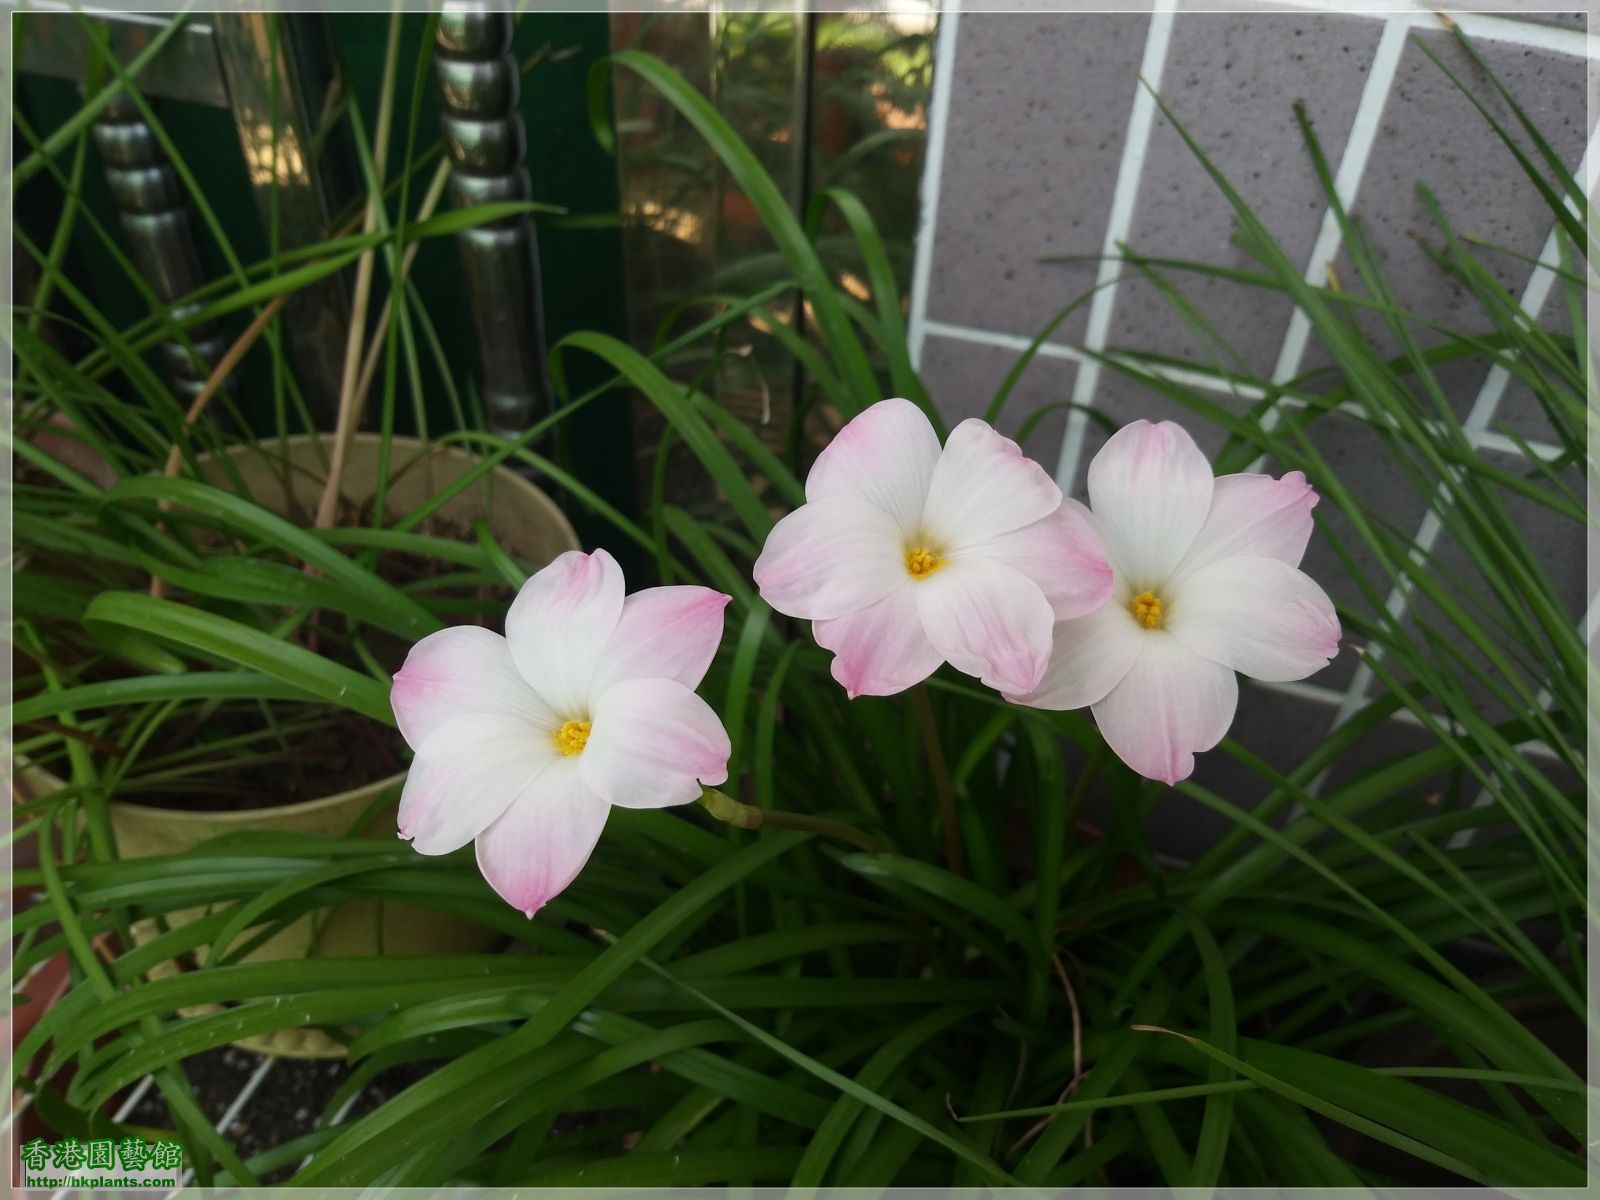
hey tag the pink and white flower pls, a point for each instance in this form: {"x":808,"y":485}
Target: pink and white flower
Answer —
{"x":524,"y":742}
{"x":1207,"y":584}
{"x":906,"y":555}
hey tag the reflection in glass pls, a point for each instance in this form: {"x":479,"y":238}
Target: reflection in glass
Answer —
{"x":823,"y":101}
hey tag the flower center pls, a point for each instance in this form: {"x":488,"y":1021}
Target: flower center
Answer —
{"x":572,"y":737}
{"x":922,"y":562}
{"x":1146,"y":609}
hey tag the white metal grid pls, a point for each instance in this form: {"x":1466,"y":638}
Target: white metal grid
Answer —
{"x":1346,"y":186}
{"x":1399,"y":20}
{"x":1119,"y":224}
{"x":1484,"y":406}
{"x":944,"y":63}
{"x":20,"y":985}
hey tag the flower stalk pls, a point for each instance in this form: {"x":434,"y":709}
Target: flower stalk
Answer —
{"x":955,"y":858}
{"x":747,"y":816}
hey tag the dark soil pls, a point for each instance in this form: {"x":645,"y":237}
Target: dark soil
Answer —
{"x":291,"y":1099}
{"x":329,"y":750}
{"x":286,"y":1105}
{"x":344,"y":751}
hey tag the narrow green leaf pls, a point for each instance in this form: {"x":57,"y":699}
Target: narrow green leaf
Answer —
{"x":213,"y":635}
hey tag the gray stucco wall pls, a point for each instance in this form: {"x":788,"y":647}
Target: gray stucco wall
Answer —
{"x":1042,"y":144}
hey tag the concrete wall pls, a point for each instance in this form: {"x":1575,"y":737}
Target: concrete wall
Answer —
{"x":1043,"y":146}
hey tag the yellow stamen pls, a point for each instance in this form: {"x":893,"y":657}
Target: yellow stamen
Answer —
{"x":572,"y":737}
{"x":1146,"y":609}
{"x":922,"y":562}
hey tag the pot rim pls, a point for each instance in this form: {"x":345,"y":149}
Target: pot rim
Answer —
{"x":503,"y":474}
{"x":233,"y":816}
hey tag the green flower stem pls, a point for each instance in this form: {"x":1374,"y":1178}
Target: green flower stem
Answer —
{"x":747,"y":816}
{"x":954,"y":857}
{"x":1080,"y":790}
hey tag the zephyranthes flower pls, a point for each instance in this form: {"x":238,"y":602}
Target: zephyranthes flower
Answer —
{"x":906,"y":555}
{"x":524,"y":742}
{"x":1206,"y":585}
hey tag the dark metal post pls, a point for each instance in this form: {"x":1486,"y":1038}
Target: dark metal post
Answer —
{"x":283,"y":84}
{"x":479,"y":84}
{"x":155,"y":217}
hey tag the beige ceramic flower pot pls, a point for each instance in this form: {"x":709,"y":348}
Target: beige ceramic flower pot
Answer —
{"x":530,"y":526}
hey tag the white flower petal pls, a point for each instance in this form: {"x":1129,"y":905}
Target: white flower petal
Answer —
{"x":1089,"y":657}
{"x":559,"y":623}
{"x":1171,"y":705}
{"x":885,"y":456}
{"x":880,"y":650}
{"x":543,"y":840}
{"x":988,"y":620}
{"x":465,"y":775}
{"x":1062,"y":554}
{"x":830,"y":557}
{"x":984,"y":486}
{"x":1254,"y":515}
{"x":460,"y":671}
{"x":1258,"y":616}
{"x":1150,"y":488}
{"x":652,"y":744}
{"x":663,"y":633}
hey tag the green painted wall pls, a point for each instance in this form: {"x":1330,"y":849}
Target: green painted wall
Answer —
{"x":581,"y":261}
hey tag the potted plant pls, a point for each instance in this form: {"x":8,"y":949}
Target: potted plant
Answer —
{"x":327,"y":770}
{"x":270,"y":580}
